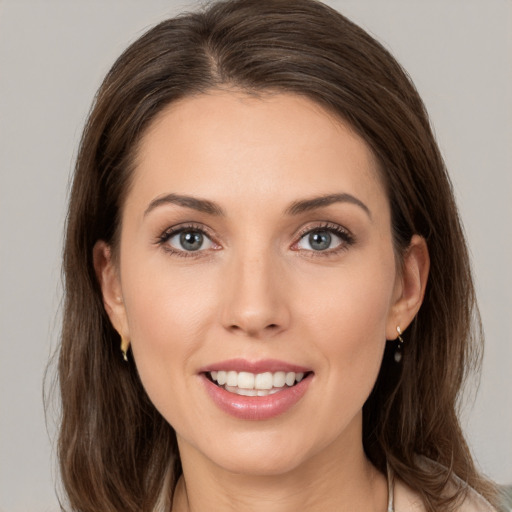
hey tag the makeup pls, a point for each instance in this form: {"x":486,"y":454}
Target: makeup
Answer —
{"x":278,"y":400}
{"x":255,"y":390}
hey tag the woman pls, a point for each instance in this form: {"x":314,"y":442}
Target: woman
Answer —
{"x":261,"y":221}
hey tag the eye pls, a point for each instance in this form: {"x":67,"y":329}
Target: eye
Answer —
{"x":318,"y":241}
{"x":186,"y":240}
{"x":325,"y":239}
{"x":190,"y":241}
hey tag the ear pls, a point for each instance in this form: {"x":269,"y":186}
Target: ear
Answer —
{"x":108,"y":277}
{"x":410,"y":287}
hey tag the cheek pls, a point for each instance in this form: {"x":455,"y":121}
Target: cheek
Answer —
{"x":166,"y":315}
{"x":165,"y":306}
{"x":351,"y":304}
{"x":347,"y":317}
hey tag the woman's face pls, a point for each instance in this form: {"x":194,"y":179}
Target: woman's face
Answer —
{"x":256,"y":247}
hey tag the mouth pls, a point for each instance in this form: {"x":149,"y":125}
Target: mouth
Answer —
{"x":255,"y":384}
{"x":256,"y":390}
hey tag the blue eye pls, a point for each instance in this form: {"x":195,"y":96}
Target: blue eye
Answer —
{"x":320,"y":241}
{"x":189,"y":240}
{"x":325,"y":239}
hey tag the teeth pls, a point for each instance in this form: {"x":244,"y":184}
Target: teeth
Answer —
{"x":250,"y":384}
{"x":232,"y":379}
{"x":290,"y":379}
{"x":251,"y":392}
{"x":263,"y":381}
{"x":240,"y":391}
{"x":245,"y":380}
{"x":279,"y":379}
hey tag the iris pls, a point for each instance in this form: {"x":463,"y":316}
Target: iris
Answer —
{"x":191,"y":240}
{"x":320,"y":240}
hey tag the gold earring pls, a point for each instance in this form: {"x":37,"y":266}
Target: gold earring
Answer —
{"x":398,"y":350}
{"x":125,"y":344}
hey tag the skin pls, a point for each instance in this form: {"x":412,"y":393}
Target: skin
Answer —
{"x":259,"y":290}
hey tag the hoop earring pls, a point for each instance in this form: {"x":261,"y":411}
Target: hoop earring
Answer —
{"x":125,"y":345}
{"x":398,"y":349}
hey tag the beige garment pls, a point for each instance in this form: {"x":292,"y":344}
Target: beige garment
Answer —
{"x":401,"y":499}
{"x":404,"y":499}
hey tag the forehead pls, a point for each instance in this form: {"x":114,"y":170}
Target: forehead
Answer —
{"x":224,"y":145}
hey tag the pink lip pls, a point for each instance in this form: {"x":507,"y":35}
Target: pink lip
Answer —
{"x":264,"y":365}
{"x":256,"y":407}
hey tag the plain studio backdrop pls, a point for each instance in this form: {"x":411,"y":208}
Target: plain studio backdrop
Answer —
{"x":53,"y":55}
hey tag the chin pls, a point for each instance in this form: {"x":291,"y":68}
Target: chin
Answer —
{"x":264,"y":453}
{"x":261,"y":464}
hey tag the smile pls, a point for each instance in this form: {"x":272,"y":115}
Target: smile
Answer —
{"x":251,"y":384}
{"x":255,"y":390}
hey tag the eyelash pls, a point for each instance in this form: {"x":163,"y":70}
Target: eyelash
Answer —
{"x":170,"y":232}
{"x":346,"y":237}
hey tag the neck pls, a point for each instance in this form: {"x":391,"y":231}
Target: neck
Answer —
{"x":339,"y":478}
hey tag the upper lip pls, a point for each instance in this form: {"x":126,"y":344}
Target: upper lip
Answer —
{"x":261,"y":366}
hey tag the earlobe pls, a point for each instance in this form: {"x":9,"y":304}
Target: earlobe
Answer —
{"x":108,"y":279}
{"x":414,"y":276}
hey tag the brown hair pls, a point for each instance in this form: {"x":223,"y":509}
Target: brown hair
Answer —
{"x":114,"y":447}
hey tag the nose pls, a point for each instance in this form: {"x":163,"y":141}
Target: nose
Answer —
{"x":255,"y":293}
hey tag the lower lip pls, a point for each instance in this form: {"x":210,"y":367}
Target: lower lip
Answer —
{"x":256,"y":407}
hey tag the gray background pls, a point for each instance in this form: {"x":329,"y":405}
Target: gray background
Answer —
{"x":53,"y":55}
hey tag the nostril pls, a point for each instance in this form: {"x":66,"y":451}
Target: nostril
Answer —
{"x":270,"y":328}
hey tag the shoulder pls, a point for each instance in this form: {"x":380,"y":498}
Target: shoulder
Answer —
{"x":474,"y":502}
{"x":407,"y":500}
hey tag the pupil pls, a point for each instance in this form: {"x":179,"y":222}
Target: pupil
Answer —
{"x":320,"y":241}
{"x":191,"y":240}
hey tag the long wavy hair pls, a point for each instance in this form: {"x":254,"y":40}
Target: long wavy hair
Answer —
{"x":115,"y":450}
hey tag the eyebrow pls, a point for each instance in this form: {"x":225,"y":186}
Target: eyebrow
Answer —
{"x":306,"y":205}
{"x":201,"y":205}
{"x":296,"y":208}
